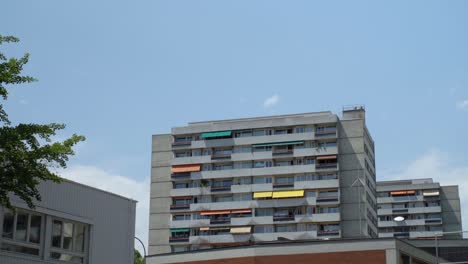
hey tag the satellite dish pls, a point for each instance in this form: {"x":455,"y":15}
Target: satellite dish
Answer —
{"x":399,"y":218}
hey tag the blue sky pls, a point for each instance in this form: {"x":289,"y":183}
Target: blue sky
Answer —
{"x":120,"y":71}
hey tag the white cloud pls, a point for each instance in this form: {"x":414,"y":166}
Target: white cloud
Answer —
{"x":440,"y":167}
{"x":271,"y":101}
{"x":121,"y":185}
{"x":462,"y":104}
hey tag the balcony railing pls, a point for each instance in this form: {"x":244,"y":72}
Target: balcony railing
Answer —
{"x":325,"y":132}
{"x":278,"y":218}
{"x":400,"y":210}
{"x":328,"y":233}
{"x":433,"y":221}
{"x":280,"y":152}
{"x":220,"y":221}
{"x":220,"y":188}
{"x":179,"y":239}
{"x":180,"y":206}
{"x":177,"y":176}
{"x":221,"y":156}
{"x":283,"y":184}
{"x":327,"y":199}
{"x":320,"y":166}
{"x":181,"y":143}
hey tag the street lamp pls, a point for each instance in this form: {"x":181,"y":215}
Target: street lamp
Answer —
{"x":144,"y":249}
{"x":437,"y":241}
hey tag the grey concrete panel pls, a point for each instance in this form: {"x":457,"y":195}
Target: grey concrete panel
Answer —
{"x":351,"y":145}
{"x":449,"y":193}
{"x":159,"y":159}
{"x":160,"y":205}
{"x":159,"y":237}
{"x":160,"y":174}
{"x":161,"y":220}
{"x":152,"y":250}
{"x":161,"y":189}
{"x":162,"y":142}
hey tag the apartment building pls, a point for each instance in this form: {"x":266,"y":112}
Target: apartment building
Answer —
{"x":289,"y":177}
{"x":418,"y":208}
{"x":73,"y":223}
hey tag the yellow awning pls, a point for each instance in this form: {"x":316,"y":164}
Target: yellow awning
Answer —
{"x":288,"y":194}
{"x":241,"y":230}
{"x":262,"y":195}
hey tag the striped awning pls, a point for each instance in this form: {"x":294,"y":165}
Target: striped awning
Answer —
{"x":395,"y":193}
{"x":186,"y":168}
{"x":326,"y":157}
{"x":240,"y":211}
{"x":215,"y":212}
{"x":215,"y":134}
{"x":262,"y":195}
{"x":241,"y":230}
{"x":288,"y":194}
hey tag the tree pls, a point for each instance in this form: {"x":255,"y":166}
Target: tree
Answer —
{"x":138,"y":259}
{"x":27,"y":151}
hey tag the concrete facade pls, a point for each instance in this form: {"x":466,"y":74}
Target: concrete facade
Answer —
{"x":73,"y":223}
{"x":304,"y":176}
{"x":427,"y":209}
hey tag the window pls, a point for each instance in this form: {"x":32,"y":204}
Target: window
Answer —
{"x":246,"y":133}
{"x":21,"y":232}
{"x":259,"y":132}
{"x":181,"y":217}
{"x":264,"y":212}
{"x":262,"y":149}
{"x":243,"y":165}
{"x":68,"y":241}
{"x":264,"y":229}
{"x":262,"y":180}
{"x":243,"y":149}
{"x":262,"y":164}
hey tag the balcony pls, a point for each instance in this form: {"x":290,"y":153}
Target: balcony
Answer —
{"x":180,"y":176}
{"x":419,"y":234}
{"x":324,"y":217}
{"x":179,"y":207}
{"x":220,"y":221}
{"x":181,"y":144}
{"x":191,"y":223}
{"x":391,"y":223}
{"x":327,"y":199}
{"x":265,"y":171}
{"x":179,"y":239}
{"x":413,"y":210}
{"x":221,"y":156}
{"x":326,"y":166}
{"x":325,"y":133}
{"x":433,"y":221}
{"x":392,"y":199}
{"x":283,"y":218}
{"x":288,"y":202}
{"x":191,"y":160}
{"x":220,"y":239}
{"x":328,"y":233}
{"x":300,"y":235}
{"x":220,"y":188}
{"x":317,"y":184}
{"x":278,"y":185}
{"x":221,"y":205}
{"x":282,"y":152}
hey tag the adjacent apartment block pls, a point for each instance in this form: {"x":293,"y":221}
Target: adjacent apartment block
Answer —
{"x":422,"y":208}
{"x":240,"y":181}
{"x":73,"y":223}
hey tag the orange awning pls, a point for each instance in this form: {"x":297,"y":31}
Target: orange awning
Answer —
{"x":215,"y":212}
{"x":326,"y":157}
{"x":239,"y":211}
{"x":402,"y":192}
{"x":185,"y":168}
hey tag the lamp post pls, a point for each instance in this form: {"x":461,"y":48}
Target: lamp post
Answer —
{"x":437,"y":241}
{"x":144,"y":249}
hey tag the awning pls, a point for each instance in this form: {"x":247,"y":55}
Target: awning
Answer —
{"x":402,"y":192}
{"x":288,"y":194}
{"x":240,"y":230}
{"x":216,"y":134}
{"x":325,"y":157}
{"x":179,"y":230}
{"x":204,"y":228}
{"x":431,"y":193}
{"x":215,"y":212}
{"x":262,"y":195}
{"x":185,"y":168}
{"x":278,"y":143}
{"x":240,"y":211}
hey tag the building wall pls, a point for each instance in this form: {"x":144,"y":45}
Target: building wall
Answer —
{"x":160,"y":195}
{"x":111,"y":219}
{"x":359,"y":257}
{"x":451,"y":211}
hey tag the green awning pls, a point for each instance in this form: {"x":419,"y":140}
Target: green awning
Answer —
{"x":216,"y":134}
{"x":179,"y":230}
{"x":278,"y":143}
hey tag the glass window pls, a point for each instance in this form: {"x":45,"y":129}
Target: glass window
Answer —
{"x":35,"y":229}
{"x":67,"y":236}
{"x":19,"y":249}
{"x":259,"y":132}
{"x":57,"y":234}
{"x":79,"y":238}
{"x":66,"y":257}
{"x":8,"y":222}
{"x":21,"y":226}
